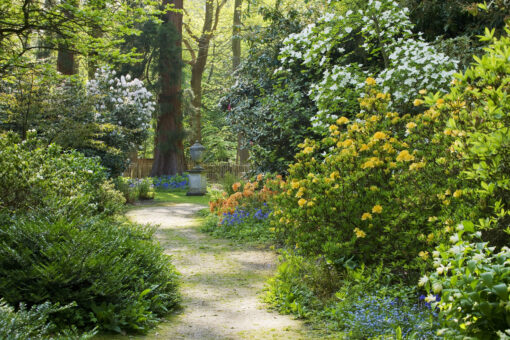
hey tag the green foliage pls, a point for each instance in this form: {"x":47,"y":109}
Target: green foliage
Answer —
{"x":92,"y":29}
{"x":480,"y":119}
{"x":116,"y":274}
{"x":268,"y":109}
{"x":227,"y":183}
{"x":353,"y":304}
{"x":135,"y":189}
{"x":34,"y":323}
{"x":47,"y":180}
{"x":474,"y":282}
{"x":372,"y":38}
{"x":374,"y":185}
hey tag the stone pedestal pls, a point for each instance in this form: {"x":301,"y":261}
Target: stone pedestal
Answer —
{"x":197,"y":182}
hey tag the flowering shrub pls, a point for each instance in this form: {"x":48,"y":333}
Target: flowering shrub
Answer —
{"x":474,"y":282}
{"x":123,"y":110}
{"x":376,"y":184}
{"x":245,"y":213}
{"x":402,"y":63}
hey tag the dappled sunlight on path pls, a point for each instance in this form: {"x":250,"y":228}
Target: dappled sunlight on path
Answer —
{"x":222,"y":282}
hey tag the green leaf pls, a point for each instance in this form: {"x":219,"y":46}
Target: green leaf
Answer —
{"x":487,"y":278}
{"x":501,"y":290}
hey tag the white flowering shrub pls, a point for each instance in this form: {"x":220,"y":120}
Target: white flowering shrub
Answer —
{"x":379,"y":33}
{"x":470,"y":286}
{"x":123,"y":103}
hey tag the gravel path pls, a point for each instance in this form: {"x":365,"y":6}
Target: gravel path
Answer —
{"x":222,"y":282}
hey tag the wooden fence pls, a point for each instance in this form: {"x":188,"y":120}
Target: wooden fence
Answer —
{"x":141,"y":168}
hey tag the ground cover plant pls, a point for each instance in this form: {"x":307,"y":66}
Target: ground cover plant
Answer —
{"x":64,"y":245}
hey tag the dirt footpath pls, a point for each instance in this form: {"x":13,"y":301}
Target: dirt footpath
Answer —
{"x":222,"y":282}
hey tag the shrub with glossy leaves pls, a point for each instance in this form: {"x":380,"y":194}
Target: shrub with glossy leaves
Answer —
{"x":474,"y":282}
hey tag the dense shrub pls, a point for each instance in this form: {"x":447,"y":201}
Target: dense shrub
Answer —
{"x":116,"y":274}
{"x":479,"y":109}
{"x":376,"y":184}
{"x":358,"y":304}
{"x":266,"y":108}
{"x":372,"y":38}
{"x":473,"y":280}
{"x":34,"y":323}
{"x":41,"y":178}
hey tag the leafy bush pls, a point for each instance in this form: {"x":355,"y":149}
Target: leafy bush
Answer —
{"x":480,"y":121}
{"x":135,"y":189}
{"x":474,"y":282}
{"x":266,"y":108}
{"x":34,"y":323}
{"x":118,"y":277}
{"x":34,"y":177}
{"x":372,"y":38}
{"x":376,"y":184}
{"x":360,"y":303}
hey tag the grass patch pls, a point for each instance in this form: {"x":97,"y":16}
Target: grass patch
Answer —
{"x":179,"y":197}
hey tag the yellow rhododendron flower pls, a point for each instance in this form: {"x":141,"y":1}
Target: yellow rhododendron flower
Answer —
{"x":411,"y":125}
{"x":377,"y":209}
{"x":364,"y":147}
{"x":346,"y":143}
{"x":457,"y":193}
{"x":294,"y":184}
{"x":366,"y":216}
{"x":302,"y":202}
{"x":308,"y":150}
{"x":374,"y":118}
{"x":359,"y":233}
{"x":380,"y":135}
{"x":372,"y":163}
{"x":374,"y":188}
{"x":417,"y":102}
{"x":342,"y":120}
{"x":423,"y":254}
{"x":333,"y":128}
{"x":370,"y":81}
{"x":416,"y":166}
{"x":405,"y":156}
{"x":423,"y":91}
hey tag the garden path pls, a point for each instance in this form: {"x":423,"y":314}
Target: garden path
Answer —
{"x":222,"y":281}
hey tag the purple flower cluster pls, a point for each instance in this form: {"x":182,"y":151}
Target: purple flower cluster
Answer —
{"x":374,"y":316}
{"x":240,"y":216}
{"x":175,"y":182}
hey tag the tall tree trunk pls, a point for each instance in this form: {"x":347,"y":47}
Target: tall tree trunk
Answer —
{"x":242,"y":153}
{"x":169,"y":149}
{"x":66,"y":59}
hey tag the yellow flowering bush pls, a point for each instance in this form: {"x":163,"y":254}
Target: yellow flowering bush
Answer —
{"x":371,"y":187}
